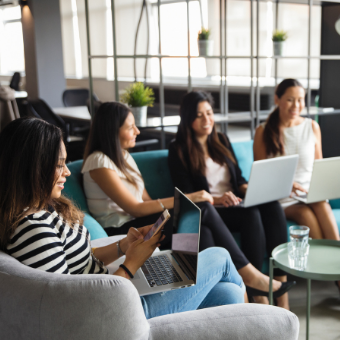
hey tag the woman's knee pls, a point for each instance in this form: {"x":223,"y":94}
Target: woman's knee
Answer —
{"x":321,"y":207}
{"x":217,"y":253}
{"x":224,"y":293}
{"x":208,"y":211}
{"x":301,"y":214}
{"x":216,"y":257}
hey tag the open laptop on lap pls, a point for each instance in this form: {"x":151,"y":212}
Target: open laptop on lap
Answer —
{"x":175,"y":268}
{"x":270,"y":180}
{"x":325,"y":181}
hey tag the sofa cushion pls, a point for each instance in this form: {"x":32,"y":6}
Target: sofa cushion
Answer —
{"x":74,"y":186}
{"x":153,"y":166}
{"x":245,"y":157}
{"x":74,"y":191}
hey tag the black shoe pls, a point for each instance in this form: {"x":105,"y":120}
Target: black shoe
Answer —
{"x":285,"y":287}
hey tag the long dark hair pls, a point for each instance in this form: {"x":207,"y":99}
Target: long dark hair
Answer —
{"x":29,"y":154}
{"x":186,"y":137}
{"x":272,"y":134}
{"x":104,"y":136}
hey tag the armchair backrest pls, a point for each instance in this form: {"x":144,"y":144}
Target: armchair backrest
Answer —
{"x":38,"y":305}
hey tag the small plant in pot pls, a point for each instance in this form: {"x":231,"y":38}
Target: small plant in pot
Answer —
{"x":205,"y":45}
{"x":278,"y":38}
{"x":138,"y":97}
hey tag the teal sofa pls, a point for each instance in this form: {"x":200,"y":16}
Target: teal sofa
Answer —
{"x":154,"y":168}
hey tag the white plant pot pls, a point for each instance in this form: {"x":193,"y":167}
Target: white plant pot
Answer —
{"x":278,"y":48}
{"x":140,"y":114}
{"x":205,"y":47}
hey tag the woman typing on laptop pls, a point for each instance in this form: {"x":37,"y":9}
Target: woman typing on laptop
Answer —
{"x":202,"y":159}
{"x":287,"y":133}
{"x":43,"y":230}
{"x":118,"y":204}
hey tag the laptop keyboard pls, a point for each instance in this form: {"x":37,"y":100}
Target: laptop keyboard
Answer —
{"x":192,"y":259}
{"x":159,"y":271}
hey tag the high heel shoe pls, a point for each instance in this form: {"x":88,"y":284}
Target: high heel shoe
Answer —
{"x":285,"y":287}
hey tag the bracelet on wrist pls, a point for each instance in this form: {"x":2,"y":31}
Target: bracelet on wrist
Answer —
{"x":119,"y":250}
{"x":126,"y":270}
{"x":161,"y":204}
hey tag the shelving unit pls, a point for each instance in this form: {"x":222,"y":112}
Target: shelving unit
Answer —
{"x":253,"y":115}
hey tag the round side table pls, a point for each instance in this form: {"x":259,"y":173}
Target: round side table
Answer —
{"x":323,"y":264}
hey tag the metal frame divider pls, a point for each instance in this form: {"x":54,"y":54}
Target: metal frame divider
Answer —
{"x":224,"y":104}
{"x":188,"y":33}
{"x":161,"y":87}
{"x":257,"y":63}
{"x":252,"y":69}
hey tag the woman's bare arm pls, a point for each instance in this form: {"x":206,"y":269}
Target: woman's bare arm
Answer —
{"x":109,"y":181}
{"x":317,"y":134}
{"x":259,"y":146}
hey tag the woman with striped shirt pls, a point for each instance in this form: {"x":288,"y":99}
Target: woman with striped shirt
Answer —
{"x":287,"y":133}
{"x":43,"y":229}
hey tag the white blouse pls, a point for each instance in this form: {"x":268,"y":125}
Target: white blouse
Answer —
{"x":300,"y":140}
{"x":103,"y":209}
{"x":218,"y":177}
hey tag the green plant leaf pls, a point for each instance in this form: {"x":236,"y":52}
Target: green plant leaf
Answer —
{"x":136,"y":95}
{"x":204,"y":34}
{"x":279,"y":35}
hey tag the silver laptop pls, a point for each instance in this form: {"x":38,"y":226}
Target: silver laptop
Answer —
{"x":175,"y":268}
{"x":325,"y":181}
{"x":270,"y":180}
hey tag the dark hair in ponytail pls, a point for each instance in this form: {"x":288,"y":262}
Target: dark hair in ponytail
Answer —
{"x":272,"y":135}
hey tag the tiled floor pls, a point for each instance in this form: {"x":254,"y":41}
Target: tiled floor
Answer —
{"x":325,"y":309}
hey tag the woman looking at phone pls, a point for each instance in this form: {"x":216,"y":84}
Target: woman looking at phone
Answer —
{"x":116,"y":195}
{"x":286,"y":133}
{"x":43,"y":230}
{"x":202,"y":159}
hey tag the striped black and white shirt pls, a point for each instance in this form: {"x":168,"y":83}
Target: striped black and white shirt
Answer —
{"x":44,"y":241}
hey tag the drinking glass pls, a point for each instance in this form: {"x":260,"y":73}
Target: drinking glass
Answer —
{"x":298,"y":247}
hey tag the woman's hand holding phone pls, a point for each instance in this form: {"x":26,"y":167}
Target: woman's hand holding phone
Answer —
{"x":133,"y":235}
{"x":139,"y":251}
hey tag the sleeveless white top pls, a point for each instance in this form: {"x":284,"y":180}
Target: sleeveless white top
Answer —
{"x":218,"y":177}
{"x":300,"y":140}
{"x":107,"y":212}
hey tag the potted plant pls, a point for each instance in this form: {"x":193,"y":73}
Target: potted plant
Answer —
{"x":138,"y":98}
{"x":278,"y":38}
{"x":205,"y":45}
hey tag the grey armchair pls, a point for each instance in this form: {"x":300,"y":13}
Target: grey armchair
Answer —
{"x":39,"y":305}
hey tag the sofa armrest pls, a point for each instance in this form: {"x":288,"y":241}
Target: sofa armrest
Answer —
{"x":242,"y":321}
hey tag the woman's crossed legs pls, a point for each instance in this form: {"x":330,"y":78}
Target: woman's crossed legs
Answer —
{"x":218,"y":283}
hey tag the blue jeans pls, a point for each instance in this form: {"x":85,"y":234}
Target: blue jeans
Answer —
{"x":218,"y":284}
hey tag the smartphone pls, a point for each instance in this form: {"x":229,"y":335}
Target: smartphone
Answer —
{"x":158,"y":226}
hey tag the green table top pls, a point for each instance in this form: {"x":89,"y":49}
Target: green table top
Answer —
{"x":323,"y":260}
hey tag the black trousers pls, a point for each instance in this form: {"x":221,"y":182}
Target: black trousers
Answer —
{"x":215,"y":233}
{"x":262,"y":228}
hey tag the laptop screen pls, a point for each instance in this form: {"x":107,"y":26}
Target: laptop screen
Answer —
{"x":187,"y":222}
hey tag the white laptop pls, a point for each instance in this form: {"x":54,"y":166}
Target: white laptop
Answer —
{"x":270,"y":180}
{"x":325,"y":181}
{"x":175,"y":268}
